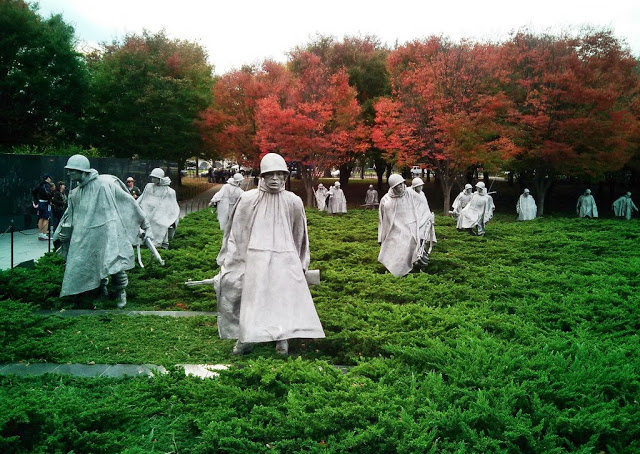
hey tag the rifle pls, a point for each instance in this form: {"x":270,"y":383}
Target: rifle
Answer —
{"x":152,"y":248}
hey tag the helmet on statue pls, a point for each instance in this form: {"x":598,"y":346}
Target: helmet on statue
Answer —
{"x":417,"y":182}
{"x":78,"y":162}
{"x":273,"y":162}
{"x":394,"y":180}
{"x":157,"y":173}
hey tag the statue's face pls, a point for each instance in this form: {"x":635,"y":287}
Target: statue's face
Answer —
{"x":418,"y":189}
{"x":155,"y":180}
{"x":274,"y":180}
{"x":399,"y":189}
{"x":468,"y":190}
{"x":75,"y":175}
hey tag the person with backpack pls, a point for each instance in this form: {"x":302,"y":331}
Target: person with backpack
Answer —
{"x":42,"y":199}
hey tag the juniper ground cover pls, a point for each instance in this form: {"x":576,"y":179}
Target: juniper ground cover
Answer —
{"x":525,"y":340}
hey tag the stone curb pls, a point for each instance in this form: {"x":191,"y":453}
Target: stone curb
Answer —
{"x":91,"y":312}
{"x":115,"y":370}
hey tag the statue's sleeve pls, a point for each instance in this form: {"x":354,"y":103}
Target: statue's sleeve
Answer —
{"x":299,"y":231}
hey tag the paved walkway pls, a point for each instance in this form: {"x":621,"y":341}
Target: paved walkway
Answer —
{"x":26,"y":248}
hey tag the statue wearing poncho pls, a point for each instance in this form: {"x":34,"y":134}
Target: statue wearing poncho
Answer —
{"x":371,"y":199}
{"x":404,"y":224}
{"x":160,"y":205}
{"x":261,"y":289}
{"x":105,"y":222}
{"x":526,"y":207}
{"x":337,"y":201}
{"x":226,"y":198}
{"x":321,"y":197}
{"x":478,"y":211}
{"x":624,"y":206}
{"x":460,"y":202}
{"x":586,"y":206}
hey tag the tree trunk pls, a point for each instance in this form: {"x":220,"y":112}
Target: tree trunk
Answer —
{"x":446,"y":183}
{"x":380,"y":165}
{"x":345,"y":173}
{"x":542,"y":183}
{"x":307,"y":181}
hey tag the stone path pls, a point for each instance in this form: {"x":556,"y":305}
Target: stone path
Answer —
{"x":115,"y":370}
{"x":91,"y":312}
{"x":107,"y":370}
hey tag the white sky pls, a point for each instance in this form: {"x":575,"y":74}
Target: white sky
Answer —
{"x":237,"y":32}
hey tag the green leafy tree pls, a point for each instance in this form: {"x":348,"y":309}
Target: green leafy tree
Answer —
{"x":43,"y":79}
{"x":148,"y":93}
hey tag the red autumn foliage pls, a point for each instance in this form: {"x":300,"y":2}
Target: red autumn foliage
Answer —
{"x":446,"y":109}
{"x":315,"y":124}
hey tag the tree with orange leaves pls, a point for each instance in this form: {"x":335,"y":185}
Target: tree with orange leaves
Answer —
{"x":577,"y":105}
{"x":446,"y":109}
{"x":229,"y":126}
{"x":315,"y":125}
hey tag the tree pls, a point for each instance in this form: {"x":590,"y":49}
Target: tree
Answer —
{"x":148,"y":93}
{"x":315,"y":125}
{"x":229,"y":127}
{"x":43,"y":80}
{"x":577,"y":105}
{"x":446,"y":109}
{"x":364,"y":59}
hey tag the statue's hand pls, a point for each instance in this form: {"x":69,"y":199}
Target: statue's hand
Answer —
{"x":63,"y":237}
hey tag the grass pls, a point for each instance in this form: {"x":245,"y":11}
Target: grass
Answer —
{"x":524,"y":340}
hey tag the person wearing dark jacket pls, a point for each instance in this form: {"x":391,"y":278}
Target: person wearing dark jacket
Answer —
{"x":42,"y":198}
{"x":58,"y":203}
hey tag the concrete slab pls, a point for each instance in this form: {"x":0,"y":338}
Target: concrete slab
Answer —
{"x":131,"y":370}
{"x":102,"y":312}
{"x":27,"y":369}
{"x":203,"y":370}
{"x":82,"y":370}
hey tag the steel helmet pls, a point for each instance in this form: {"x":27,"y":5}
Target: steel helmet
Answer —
{"x":157,"y":173}
{"x":238,"y":177}
{"x":394,"y":180}
{"x":273,"y":162}
{"x":417,"y":182}
{"x":468,"y":186}
{"x":337,"y":184}
{"x":526,"y":191}
{"x":480,"y":185}
{"x":78,"y":162}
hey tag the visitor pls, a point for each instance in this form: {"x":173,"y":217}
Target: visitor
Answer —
{"x":133,"y":189}
{"x":42,"y":199}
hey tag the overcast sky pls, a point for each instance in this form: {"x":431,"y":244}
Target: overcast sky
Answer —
{"x":248,"y":31}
